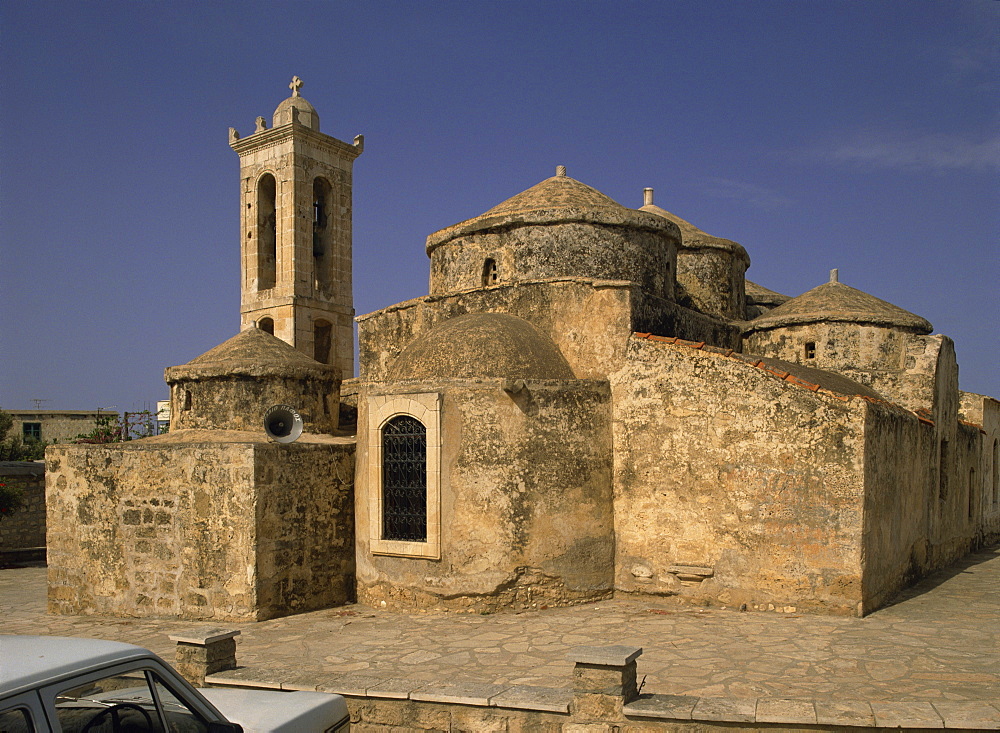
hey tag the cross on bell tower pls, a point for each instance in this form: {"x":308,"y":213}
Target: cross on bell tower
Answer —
{"x":295,"y":232}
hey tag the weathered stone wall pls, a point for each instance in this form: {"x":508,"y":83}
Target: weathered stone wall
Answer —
{"x":711,"y":280}
{"x":305,"y":526}
{"x":25,"y":528}
{"x":898,"y":364}
{"x":984,"y":412}
{"x":200,"y":530}
{"x":238,"y":402}
{"x":590,"y":321}
{"x":899,"y":475}
{"x":654,"y":315}
{"x":585,"y":249}
{"x":751,"y":492}
{"x":526,"y":516}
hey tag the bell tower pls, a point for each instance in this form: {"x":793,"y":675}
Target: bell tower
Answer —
{"x":295,"y":232}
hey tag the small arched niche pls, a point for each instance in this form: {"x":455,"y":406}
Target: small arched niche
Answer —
{"x":491,"y":274}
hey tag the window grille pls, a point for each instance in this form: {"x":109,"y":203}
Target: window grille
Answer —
{"x":32,"y":430}
{"x":404,"y":480}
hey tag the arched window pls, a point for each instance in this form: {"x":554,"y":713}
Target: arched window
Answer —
{"x":491,"y":276}
{"x":266,"y":325}
{"x":322,"y":340}
{"x":404,"y":480}
{"x":403,"y":476}
{"x":267,"y":232}
{"x":322,"y":233}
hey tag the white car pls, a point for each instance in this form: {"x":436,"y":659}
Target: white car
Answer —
{"x":56,"y":684}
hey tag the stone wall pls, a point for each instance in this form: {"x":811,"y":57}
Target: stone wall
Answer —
{"x":590,"y":321}
{"x":199,"y":530}
{"x":238,"y":402}
{"x":25,"y":528}
{"x":984,"y":413}
{"x":899,"y":475}
{"x":711,"y":280}
{"x":526,"y":513}
{"x":898,"y":364}
{"x":751,"y":493}
{"x":526,"y":253}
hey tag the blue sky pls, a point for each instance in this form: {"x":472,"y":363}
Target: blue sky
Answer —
{"x":856,"y":135}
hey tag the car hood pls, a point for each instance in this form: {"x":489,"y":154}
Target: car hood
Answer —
{"x":267,"y":711}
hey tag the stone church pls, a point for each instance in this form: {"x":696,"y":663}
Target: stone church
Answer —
{"x":591,"y":400}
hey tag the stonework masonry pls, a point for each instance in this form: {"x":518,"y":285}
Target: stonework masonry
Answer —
{"x":200,"y":530}
{"x":590,"y":400}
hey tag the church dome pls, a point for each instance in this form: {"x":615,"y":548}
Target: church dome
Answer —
{"x":304,"y":112}
{"x":481,"y":346}
{"x":559,"y":228}
{"x":558,"y":199}
{"x":835,"y":302}
{"x":251,"y":352}
{"x":231,"y":386}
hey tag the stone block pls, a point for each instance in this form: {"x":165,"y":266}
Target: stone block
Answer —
{"x":906,"y":715}
{"x":667,"y":707}
{"x":725,"y":710}
{"x":461,"y":693}
{"x":777,"y":710}
{"x":529,"y":697}
{"x":206,"y":652}
{"x":971,"y":715}
{"x":844,"y":712}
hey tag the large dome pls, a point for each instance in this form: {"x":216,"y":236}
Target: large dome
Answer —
{"x":559,"y":228}
{"x":555,"y":200}
{"x":481,"y":346}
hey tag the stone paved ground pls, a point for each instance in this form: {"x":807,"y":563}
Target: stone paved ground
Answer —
{"x":939,"y":641}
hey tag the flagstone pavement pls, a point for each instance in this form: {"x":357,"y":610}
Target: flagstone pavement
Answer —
{"x":940,"y":641}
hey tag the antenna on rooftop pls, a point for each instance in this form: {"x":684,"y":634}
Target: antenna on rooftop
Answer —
{"x":38,"y":403}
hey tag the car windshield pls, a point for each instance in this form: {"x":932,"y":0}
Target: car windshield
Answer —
{"x":131,"y":702}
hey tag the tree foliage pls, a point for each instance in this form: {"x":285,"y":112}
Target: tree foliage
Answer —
{"x":115,"y":428}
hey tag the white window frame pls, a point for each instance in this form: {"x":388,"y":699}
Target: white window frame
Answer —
{"x":425,"y":407}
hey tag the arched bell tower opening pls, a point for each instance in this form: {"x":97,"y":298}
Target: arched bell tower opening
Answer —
{"x":296,"y":232}
{"x":267,"y":232}
{"x":322,"y":239}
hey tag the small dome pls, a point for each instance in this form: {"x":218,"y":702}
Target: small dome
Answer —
{"x":251,"y":352}
{"x":481,"y":346}
{"x":834,"y":301}
{"x":306,"y":113}
{"x":555,"y":200}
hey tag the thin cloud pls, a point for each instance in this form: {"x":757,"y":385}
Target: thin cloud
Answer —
{"x":758,"y":196}
{"x":916,"y":152}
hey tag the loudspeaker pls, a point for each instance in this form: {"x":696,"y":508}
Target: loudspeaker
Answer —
{"x":282,"y":423}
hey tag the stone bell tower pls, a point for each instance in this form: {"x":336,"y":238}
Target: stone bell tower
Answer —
{"x":295,"y":232}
